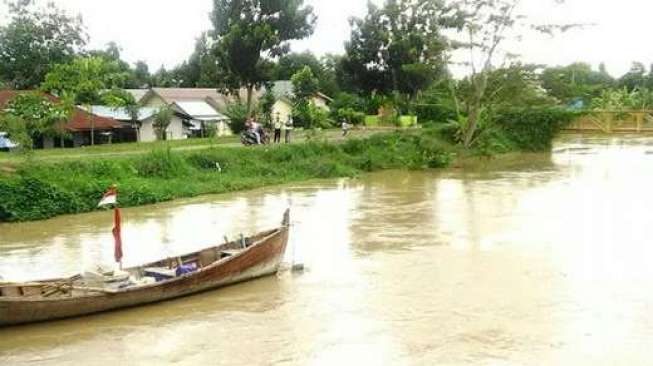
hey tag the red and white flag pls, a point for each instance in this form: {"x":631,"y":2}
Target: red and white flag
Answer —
{"x":109,"y":198}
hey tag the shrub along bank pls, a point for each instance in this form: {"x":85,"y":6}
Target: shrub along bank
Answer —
{"x":40,"y":190}
{"x":43,"y":190}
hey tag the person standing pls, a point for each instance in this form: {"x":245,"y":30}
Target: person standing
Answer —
{"x":277,"y":129}
{"x":290,"y":125}
{"x":345,"y":127}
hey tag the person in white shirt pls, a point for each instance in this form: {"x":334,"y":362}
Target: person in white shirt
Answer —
{"x":345,"y":127}
{"x":277,"y":129}
{"x":290,"y":125}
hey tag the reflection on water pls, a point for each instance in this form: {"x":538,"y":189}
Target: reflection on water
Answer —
{"x":545,"y":260}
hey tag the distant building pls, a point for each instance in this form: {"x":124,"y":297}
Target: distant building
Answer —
{"x":204,"y":106}
{"x":199,"y":108}
{"x":143,"y":126}
{"x":80,"y":126}
{"x":284,"y":94}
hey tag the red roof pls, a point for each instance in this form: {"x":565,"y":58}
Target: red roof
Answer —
{"x":80,"y":121}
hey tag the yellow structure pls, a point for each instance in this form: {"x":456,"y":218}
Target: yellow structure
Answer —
{"x":607,"y":121}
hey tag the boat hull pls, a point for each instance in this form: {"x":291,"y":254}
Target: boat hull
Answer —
{"x":259,"y":260}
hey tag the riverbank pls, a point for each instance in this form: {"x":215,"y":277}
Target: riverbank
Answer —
{"x":35,"y":190}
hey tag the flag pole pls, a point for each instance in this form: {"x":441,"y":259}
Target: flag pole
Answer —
{"x":110,"y":198}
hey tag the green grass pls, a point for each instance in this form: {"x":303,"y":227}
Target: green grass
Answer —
{"x":35,"y":189}
{"x":111,"y":151}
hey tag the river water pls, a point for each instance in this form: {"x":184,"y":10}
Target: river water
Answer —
{"x":536,"y":260}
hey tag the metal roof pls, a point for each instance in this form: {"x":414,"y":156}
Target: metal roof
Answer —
{"x":138,"y":94}
{"x":200,"y":110}
{"x":121,"y":114}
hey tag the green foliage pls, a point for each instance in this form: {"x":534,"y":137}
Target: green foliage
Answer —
{"x":84,"y":79}
{"x":43,"y":190}
{"x":398,"y":47}
{"x":407,"y":121}
{"x":237,"y":113}
{"x":34,"y":39}
{"x":248,"y":30}
{"x":30,"y":115}
{"x":305,"y":86}
{"x":637,"y":78}
{"x":15,"y":127}
{"x":532,"y":129}
{"x":266,"y":104}
{"x":324,"y":70}
{"x":201,"y":68}
{"x":351,"y":116}
{"x":623,"y":99}
{"x":162,"y":121}
{"x":575,"y":82}
{"x":437,"y":104}
{"x":372,"y":121}
{"x":161,"y":163}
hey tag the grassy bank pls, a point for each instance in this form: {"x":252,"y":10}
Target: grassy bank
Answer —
{"x":35,"y":189}
{"x":40,"y":188}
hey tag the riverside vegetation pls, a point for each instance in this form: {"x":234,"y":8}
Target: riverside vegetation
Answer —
{"x":35,"y":190}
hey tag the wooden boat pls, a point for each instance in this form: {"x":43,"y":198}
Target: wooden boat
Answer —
{"x":223,"y":265}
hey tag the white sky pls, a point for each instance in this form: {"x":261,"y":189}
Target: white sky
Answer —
{"x":162,"y":32}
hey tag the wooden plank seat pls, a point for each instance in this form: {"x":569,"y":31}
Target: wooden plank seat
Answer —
{"x":160,"y":273}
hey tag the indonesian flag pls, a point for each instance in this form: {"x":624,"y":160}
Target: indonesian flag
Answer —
{"x":109,"y":198}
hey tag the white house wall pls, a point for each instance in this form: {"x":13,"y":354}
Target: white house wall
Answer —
{"x":175,"y":130}
{"x":284,"y":108}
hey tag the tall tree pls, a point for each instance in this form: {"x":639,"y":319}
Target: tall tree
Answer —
{"x":398,"y":47}
{"x":486,"y":24}
{"x":85,"y":80}
{"x":250,"y":33}
{"x":636,"y":77}
{"x":201,"y":68}
{"x":305,"y":85}
{"x":575,"y":81}
{"x":141,"y":77}
{"x":323,"y":69}
{"x":35,"y":39}
{"x":39,"y":116}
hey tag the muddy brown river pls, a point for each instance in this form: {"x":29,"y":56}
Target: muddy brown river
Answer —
{"x":536,"y":260}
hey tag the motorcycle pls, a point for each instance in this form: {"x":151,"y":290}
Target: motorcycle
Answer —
{"x":248,"y":138}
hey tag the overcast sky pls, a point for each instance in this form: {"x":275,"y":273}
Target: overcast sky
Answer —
{"x":162,"y":32}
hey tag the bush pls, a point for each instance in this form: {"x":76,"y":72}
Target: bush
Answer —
{"x":42,"y":190}
{"x":407,"y":121}
{"x":372,"y":121}
{"x":351,"y":116}
{"x":532,"y":129}
{"x":237,"y":113}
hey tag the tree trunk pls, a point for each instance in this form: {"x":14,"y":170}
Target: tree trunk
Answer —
{"x":472,"y":123}
{"x":90,"y":117}
{"x":480,"y":84}
{"x":250,"y":94}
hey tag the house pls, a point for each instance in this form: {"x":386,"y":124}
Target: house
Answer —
{"x":80,"y":126}
{"x":143,"y":126}
{"x":208,"y":106}
{"x":200,"y":107}
{"x":202,"y":116}
{"x":284,"y":94}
